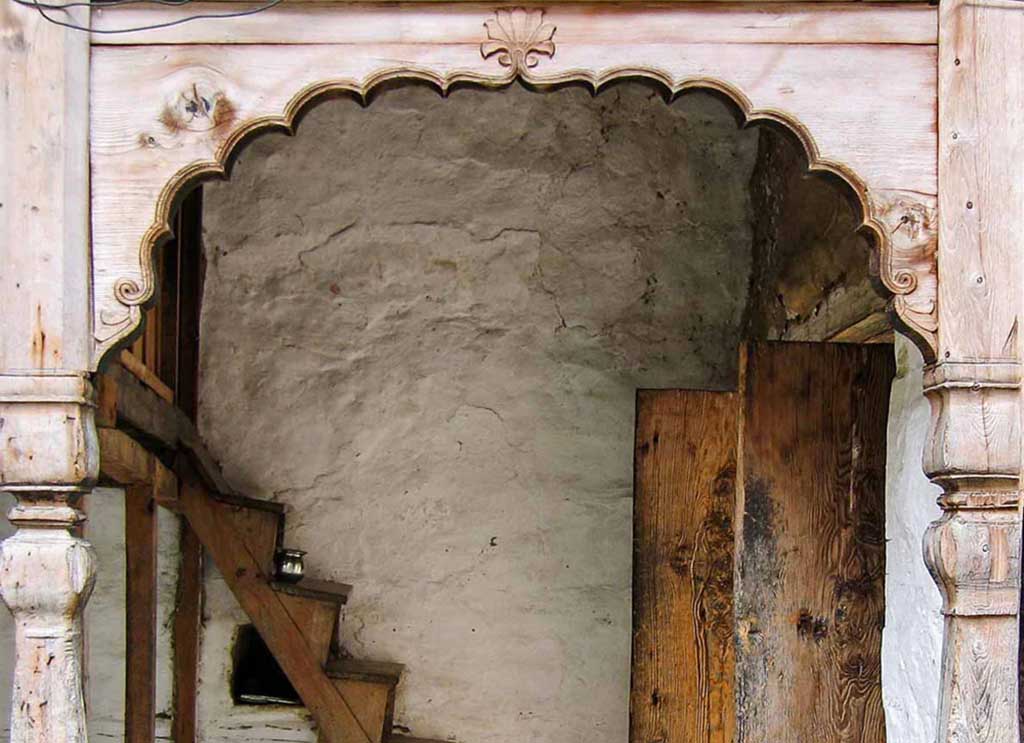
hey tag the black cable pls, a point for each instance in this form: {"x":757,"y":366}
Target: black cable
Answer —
{"x":104,"y":4}
{"x":42,"y":7}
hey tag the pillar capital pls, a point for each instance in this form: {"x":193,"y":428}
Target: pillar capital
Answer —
{"x":48,"y":439}
{"x":973,"y":450}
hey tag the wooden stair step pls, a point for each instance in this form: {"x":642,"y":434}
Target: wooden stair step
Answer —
{"x":369,"y":690}
{"x":316,"y":621}
{"x":258,"y":529}
{"x":312,"y":588}
{"x":372,"y":671}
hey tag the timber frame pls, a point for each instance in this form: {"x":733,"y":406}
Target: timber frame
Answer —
{"x":916,"y":108}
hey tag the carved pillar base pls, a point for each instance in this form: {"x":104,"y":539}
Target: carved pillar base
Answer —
{"x":974,"y":550}
{"x":48,"y":459}
{"x":46,"y":576}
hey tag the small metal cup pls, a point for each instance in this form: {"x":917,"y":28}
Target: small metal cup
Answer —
{"x":290,"y":568}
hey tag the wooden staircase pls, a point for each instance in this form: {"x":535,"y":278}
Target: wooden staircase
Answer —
{"x":352,"y":701}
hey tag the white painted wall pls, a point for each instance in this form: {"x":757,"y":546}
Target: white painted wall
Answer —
{"x":912,"y":639}
{"x":105,"y":619}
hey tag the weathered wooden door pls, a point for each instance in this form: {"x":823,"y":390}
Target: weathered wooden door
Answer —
{"x":759,"y":557}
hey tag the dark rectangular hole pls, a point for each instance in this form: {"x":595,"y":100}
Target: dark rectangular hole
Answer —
{"x":256,"y":677}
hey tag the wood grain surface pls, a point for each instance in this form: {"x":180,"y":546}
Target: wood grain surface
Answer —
{"x":810,"y":559}
{"x":683,"y":666}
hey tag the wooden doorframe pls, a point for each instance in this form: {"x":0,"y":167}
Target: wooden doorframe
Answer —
{"x":120,"y":126}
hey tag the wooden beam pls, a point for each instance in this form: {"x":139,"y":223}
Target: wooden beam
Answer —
{"x":124,"y":461}
{"x":106,"y":400}
{"x":873,"y":328}
{"x":187,"y":626}
{"x":143,"y":373}
{"x":161,"y":425}
{"x":140,"y":531}
{"x":612,"y":22}
{"x":191,"y":271}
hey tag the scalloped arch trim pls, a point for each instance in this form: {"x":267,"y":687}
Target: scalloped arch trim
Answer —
{"x":882,"y":220}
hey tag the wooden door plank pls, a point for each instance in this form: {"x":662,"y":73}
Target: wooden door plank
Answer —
{"x":811,"y":543}
{"x":140,"y":529}
{"x":683,"y":666}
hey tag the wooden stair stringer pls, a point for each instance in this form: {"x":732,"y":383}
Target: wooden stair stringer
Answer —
{"x":258,"y":529}
{"x":269,"y":611}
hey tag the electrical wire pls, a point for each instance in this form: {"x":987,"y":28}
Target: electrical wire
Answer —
{"x":43,"y":7}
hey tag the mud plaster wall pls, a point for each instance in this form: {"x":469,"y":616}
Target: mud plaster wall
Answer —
{"x":424,"y":325}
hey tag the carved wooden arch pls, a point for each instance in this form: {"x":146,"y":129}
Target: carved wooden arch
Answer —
{"x":168,"y":114}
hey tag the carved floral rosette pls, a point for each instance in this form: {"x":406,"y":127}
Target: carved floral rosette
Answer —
{"x":518,"y":37}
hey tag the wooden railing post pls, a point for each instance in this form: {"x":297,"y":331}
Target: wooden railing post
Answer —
{"x":48,"y":451}
{"x":973,"y":451}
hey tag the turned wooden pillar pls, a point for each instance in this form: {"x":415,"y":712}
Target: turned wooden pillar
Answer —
{"x":974,"y":550}
{"x":974,"y":449}
{"x":48,"y":449}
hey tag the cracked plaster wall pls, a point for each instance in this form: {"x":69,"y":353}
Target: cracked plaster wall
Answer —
{"x":424,"y":324}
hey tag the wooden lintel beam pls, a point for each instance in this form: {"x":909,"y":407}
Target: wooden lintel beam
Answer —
{"x":723,"y":23}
